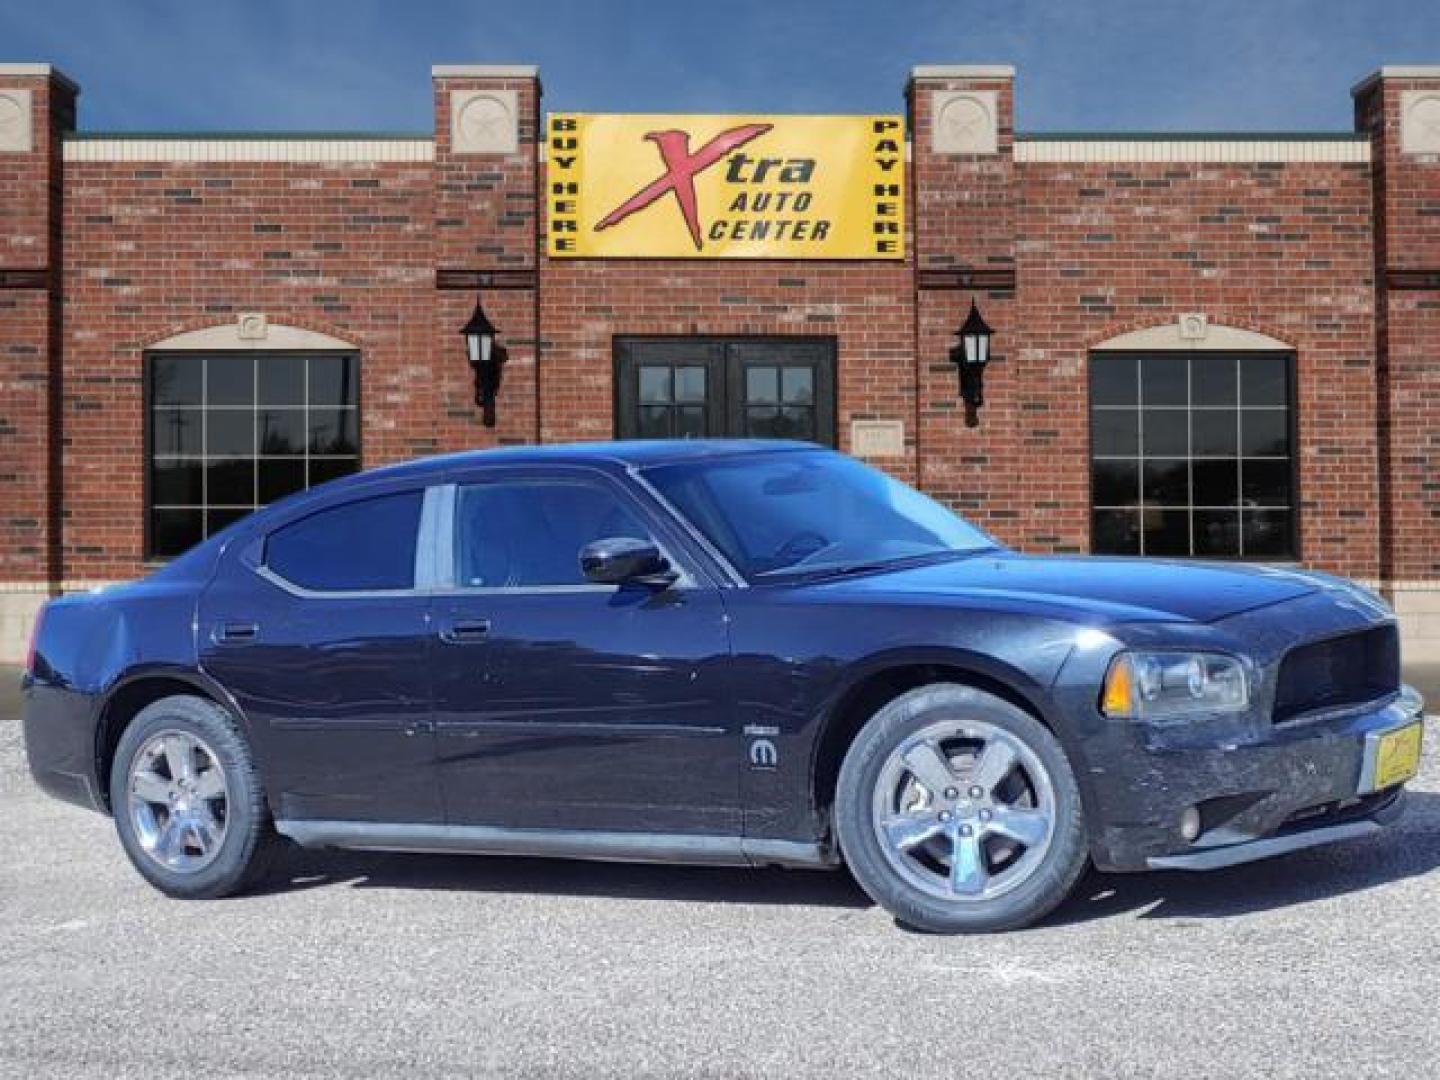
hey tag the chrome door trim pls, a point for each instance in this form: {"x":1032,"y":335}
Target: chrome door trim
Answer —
{"x":701,"y":850}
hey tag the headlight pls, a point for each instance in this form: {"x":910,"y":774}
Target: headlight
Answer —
{"x":1168,"y":685}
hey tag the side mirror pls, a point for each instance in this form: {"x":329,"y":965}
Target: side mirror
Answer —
{"x":620,"y":560}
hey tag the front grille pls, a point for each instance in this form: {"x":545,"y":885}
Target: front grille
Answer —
{"x":1347,"y":670}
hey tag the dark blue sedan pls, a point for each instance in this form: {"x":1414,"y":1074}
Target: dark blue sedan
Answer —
{"x":742,"y":653}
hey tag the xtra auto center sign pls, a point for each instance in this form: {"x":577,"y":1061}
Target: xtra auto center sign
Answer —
{"x":731,"y":187}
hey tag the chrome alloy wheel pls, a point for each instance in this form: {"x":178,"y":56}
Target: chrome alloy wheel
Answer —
{"x":964,"y":810}
{"x":179,"y":801}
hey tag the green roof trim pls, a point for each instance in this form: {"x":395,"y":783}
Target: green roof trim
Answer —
{"x":251,"y":136}
{"x":1191,"y":136}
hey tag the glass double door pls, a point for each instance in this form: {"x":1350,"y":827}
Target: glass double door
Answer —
{"x":760,"y":388}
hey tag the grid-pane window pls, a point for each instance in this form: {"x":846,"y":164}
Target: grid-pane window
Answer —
{"x":1191,"y":454}
{"x":230,"y":433}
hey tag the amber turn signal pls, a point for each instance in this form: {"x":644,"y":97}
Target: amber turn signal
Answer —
{"x":1118,"y":698}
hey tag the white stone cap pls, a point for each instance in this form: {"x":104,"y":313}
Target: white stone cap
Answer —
{"x":1398,"y":71}
{"x":963,"y":71}
{"x":485,"y":71}
{"x":43,"y":71}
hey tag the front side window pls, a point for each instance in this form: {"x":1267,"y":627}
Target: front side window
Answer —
{"x":362,"y":546}
{"x":526,"y":534}
{"x":231,"y":433}
{"x":1191,"y":455}
{"x":806,"y":510}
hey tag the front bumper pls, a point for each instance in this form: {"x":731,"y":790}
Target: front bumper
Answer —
{"x":1291,"y":787}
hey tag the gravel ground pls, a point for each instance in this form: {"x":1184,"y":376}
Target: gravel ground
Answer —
{"x":1324,"y":963}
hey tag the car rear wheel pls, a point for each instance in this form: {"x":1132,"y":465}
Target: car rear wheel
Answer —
{"x":188,"y":803}
{"x":958,"y":812}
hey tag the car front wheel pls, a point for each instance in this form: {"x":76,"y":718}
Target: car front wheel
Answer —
{"x":188,"y":803}
{"x":958,"y":812}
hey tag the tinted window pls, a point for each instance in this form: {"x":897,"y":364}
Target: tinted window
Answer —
{"x":368,"y":544}
{"x":1191,"y":455}
{"x":230,"y":433}
{"x":517,"y":534}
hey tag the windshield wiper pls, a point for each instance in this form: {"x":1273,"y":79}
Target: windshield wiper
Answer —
{"x":901,"y":562}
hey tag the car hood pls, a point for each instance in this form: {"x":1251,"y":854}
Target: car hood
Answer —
{"x":1126,"y":590}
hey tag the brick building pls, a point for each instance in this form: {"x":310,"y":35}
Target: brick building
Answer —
{"x":1205,"y":344}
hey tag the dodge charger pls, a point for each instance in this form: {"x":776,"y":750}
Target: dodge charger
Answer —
{"x":721,"y":652}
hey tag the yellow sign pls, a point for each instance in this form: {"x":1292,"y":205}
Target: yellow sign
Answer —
{"x":726,"y":187}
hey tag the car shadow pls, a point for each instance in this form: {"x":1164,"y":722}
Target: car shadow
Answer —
{"x":1409,"y":850}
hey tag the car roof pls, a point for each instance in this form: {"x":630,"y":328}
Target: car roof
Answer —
{"x":634,"y":453}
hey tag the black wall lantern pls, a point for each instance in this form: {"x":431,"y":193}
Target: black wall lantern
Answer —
{"x":970,"y":356}
{"x":487,"y":357}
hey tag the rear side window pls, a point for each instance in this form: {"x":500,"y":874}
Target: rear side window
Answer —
{"x":369,"y":544}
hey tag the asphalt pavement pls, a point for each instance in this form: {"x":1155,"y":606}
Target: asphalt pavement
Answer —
{"x":1324,"y":963}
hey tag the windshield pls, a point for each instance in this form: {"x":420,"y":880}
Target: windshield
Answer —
{"x":802,"y":511}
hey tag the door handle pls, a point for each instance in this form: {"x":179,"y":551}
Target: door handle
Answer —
{"x":230,"y":633}
{"x":466,"y":631}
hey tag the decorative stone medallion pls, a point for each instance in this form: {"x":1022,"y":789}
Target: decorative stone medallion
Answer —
{"x":16,"y":135}
{"x":1194,"y":326}
{"x":484,"y":122}
{"x":252,"y":326}
{"x":965,"y":122}
{"x":1420,"y":121}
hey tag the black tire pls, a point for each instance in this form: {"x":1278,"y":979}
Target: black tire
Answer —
{"x":1034,"y":896}
{"x":249,"y":842}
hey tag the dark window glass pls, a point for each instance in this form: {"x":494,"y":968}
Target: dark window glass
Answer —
{"x":1208,"y":451}
{"x":1115,"y":432}
{"x":1216,"y":483}
{"x":229,"y":381}
{"x":1267,"y":482}
{"x":173,"y":531}
{"x":332,"y":381}
{"x":1214,"y":433}
{"x":797,"y":386}
{"x":1167,"y":482}
{"x":762,"y":386}
{"x":527,"y":534}
{"x":369,"y":544}
{"x":1268,"y":533}
{"x":1116,"y":532}
{"x":1166,"y":432}
{"x":1265,"y":382}
{"x":1164,"y":381}
{"x":280,"y":477}
{"x":1167,"y":532}
{"x":690,"y":384}
{"x":231,"y":482}
{"x":177,"y":431}
{"x":1213,"y":382}
{"x":1265,"y":432}
{"x":323,"y":470}
{"x":281,"y":381}
{"x":655,"y":385}
{"x":1217,"y":533}
{"x":1114,"y":380}
{"x":1117,"y":483}
{"x":280,"y":432}
{"x":177,"y":482}
{"x":176,"y":381}
{"x":228,"y":433}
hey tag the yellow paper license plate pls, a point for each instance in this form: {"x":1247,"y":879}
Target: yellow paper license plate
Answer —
{"x":1397,"y":757}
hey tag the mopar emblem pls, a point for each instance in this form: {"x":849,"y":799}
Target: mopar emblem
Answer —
{"x":762,"y":750}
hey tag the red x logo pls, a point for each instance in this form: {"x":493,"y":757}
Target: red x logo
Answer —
{"x":681,"y":168}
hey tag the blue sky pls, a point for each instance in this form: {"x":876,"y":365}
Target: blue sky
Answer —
{"x":364,"y":64}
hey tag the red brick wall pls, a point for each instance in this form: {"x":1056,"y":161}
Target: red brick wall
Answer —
{"x":866,"y":307}
{"x":1407,"y":205}
{"x":30,"y":195}
{"x":1101,"y":249}
{"x":1064,"y":257}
